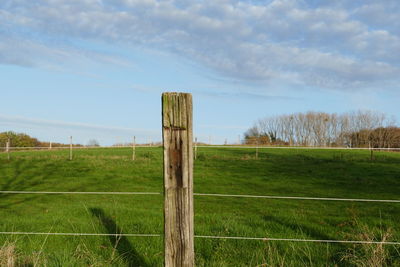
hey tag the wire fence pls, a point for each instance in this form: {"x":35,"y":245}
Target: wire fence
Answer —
{"x":205,"y":236}
{"x":209,"y":146}
{"x":264,"y":239}
{"x":8,"y":150}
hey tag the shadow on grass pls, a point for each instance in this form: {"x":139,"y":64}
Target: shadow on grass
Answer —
{"x":124,"y":248}
{"x":20,"y":174}
{"x":15,"y":180}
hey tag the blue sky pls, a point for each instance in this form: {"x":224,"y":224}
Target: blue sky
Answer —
{"x":95,"y":69}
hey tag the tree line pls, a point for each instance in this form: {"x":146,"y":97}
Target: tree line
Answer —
{"x":24,"y":140}
{"x":353,"y":129}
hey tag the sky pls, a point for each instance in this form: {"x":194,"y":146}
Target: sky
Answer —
{"x":95,"y":69}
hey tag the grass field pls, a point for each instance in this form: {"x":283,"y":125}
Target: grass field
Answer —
{"x":283,"y":172}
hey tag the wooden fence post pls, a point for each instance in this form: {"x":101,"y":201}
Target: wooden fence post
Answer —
{"x":195,"y":148}
{"x":8,"y":149}
{"x":134,"y":148}
{"x":70,"y":148}
{"x":178,"y":179}
{"x":257,"y":148}
{"x":371,"y":151}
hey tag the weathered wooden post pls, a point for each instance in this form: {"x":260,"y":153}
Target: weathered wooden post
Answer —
{"x":178,"y":179}
{"x":70,"y":148}
{"x":134,"y":148}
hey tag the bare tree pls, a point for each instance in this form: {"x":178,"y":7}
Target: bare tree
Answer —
{"x":358,"y":129}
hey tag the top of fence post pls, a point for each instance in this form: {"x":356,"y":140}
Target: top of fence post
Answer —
{"x":178,"y":179}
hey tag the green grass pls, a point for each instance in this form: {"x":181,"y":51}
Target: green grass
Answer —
{"x":283,"y":172}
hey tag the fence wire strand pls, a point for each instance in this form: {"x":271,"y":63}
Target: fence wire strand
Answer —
{"x":301,"y":198}
{"x":299,"y":240}
{"x":299,"y":147}
{"x":80,"y":193}
{"x":79,"y":234}
{"x":211,"y":146}
{"x":208,"y":195}
{"x":210,"y":237}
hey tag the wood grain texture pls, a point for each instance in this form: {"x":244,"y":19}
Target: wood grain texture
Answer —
{"x":178,"y":179}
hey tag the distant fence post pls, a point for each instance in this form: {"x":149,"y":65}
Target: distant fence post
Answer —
{"x":70,"y":148}
{"x":195,"y":148}
{"x":257,"y":148}
{"x":371,"y":151}
{"x":134,"y":148}
{"x":8,"y":149}
{"x":50,"y":145}
{"x":178,"y":179}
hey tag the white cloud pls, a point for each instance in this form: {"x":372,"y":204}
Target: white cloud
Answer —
{"x":336,"y":45}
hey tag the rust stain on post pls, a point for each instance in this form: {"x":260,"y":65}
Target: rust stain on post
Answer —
{"x":178,"y":179}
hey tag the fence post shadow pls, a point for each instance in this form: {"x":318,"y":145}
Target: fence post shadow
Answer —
{"x":122,"y":245}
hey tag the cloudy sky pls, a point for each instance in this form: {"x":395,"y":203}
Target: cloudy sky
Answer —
{"x":96,"y":68}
